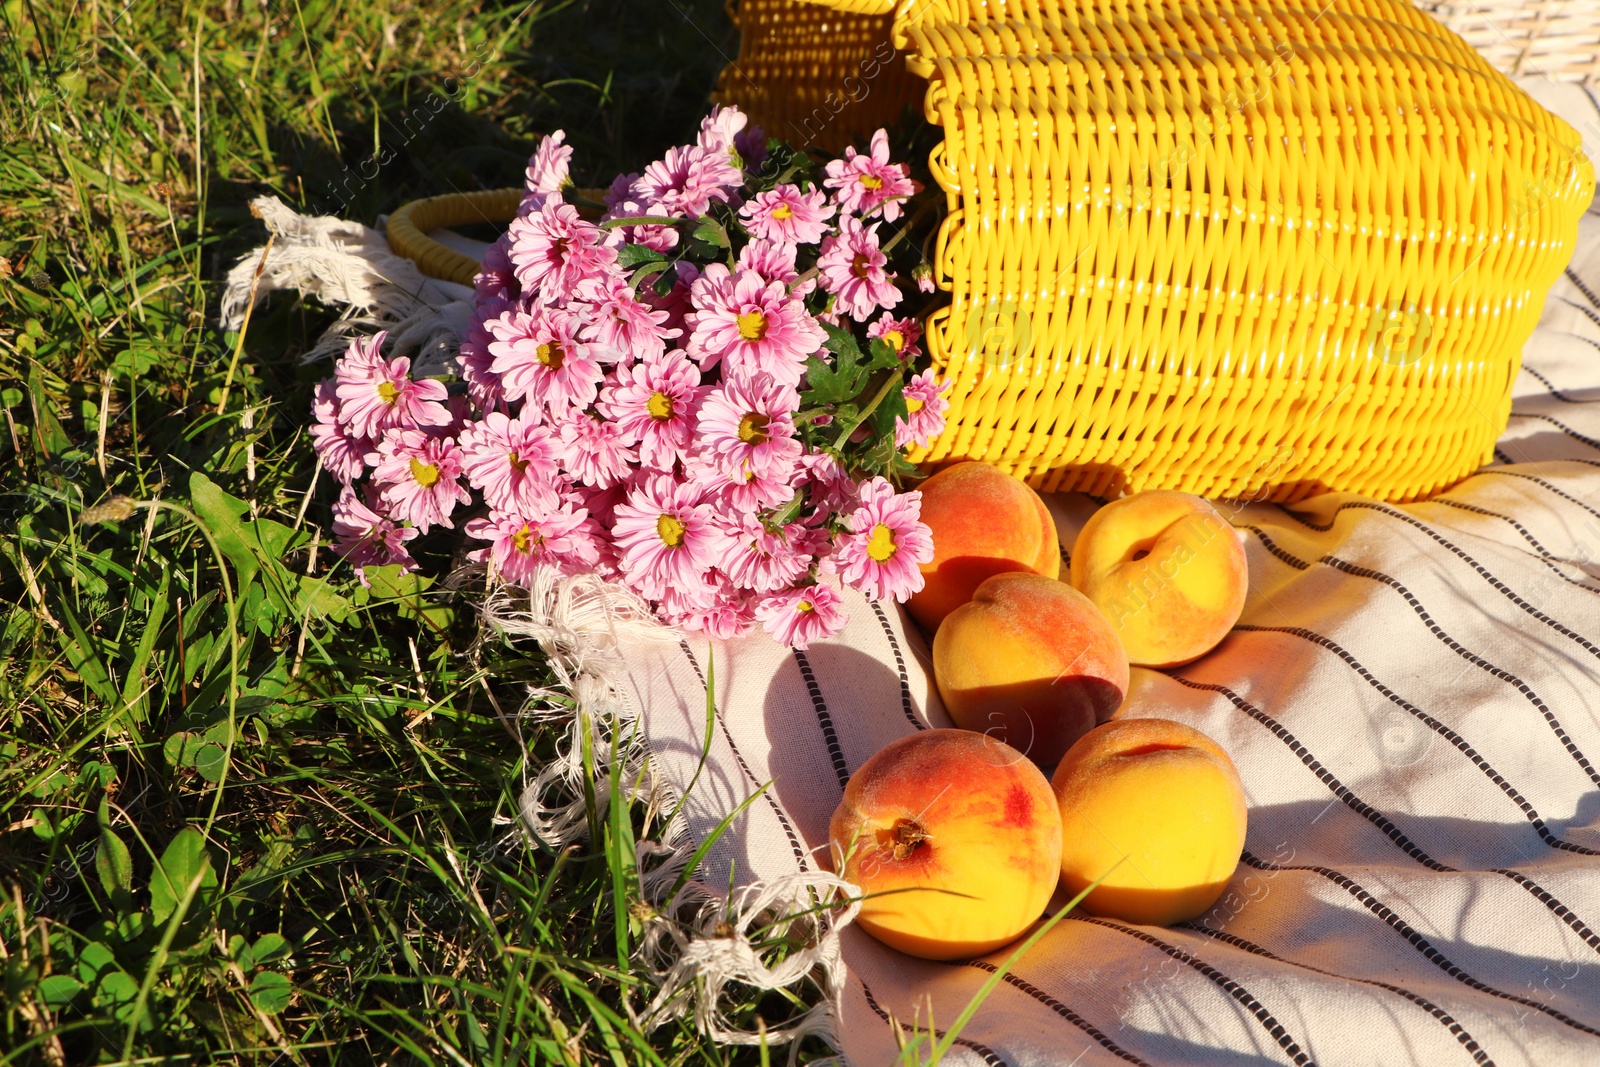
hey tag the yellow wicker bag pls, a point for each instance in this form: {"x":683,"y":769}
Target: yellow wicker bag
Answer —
{"x":1220,"y":246}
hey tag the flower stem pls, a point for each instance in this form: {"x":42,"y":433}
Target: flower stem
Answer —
{"x":872,"y":405}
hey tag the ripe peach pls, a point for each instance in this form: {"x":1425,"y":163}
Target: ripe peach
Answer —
{"x":1030,"y":661}
{"x":953,"y":838}
{"x":1163,"y":798}
{"x":984,"y":522}
{"x":1167,"y":570}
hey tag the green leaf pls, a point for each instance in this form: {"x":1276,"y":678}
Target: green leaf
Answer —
{"x":58,"y":990}
{"x":113,"y":863}
{"x":184,"y":863}
{"x":271,"y":992}
{"x":182,"y":748}
{"x":269,"y":947}
{"x":405,"y":591}
{"x":117,"y":990}
{"x":892,"y":406}
{"x":48,"y":431}
{"x":210,"y":762}
{"x":259,"y":547}
{"x":882,"y":355}
{"x":842,"y":343}
{"x":830,"y":385}
{"x":844,"y":379}
{"x":630,"y":256}
{"x":711,"y":232}
{"x":94,"y":960}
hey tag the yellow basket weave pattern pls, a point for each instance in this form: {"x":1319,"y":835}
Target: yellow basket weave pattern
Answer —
{"x":817,"y":78}
{"x":1224,"y":247}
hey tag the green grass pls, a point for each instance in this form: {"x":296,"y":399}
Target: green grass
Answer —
{"x":250,"y":811}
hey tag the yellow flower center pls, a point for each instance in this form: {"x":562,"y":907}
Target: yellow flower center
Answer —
{"x":388,"y":392}
{"x":913,"y":405}
{"x":425,"y":474}
{"x":861,"y":266}
{"x":670,"y":530}
{"x":880,"y":543}
{"x":525,"y":539}
{"x":782,"y":211}
{"x":659,"y":406}
{"x":805,"y":607}
{"x":753,"y":428}
{"x":550,"y":355}
{"x":752,"y":325}
{"x":871,"y":181}
{"x":519,"y":464}
{"x":895,"y":340}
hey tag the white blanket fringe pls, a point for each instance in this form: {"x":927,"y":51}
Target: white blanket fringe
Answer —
{"x":701,"y":944}
{"x":699,"y":941}
{"x":349,"y":266}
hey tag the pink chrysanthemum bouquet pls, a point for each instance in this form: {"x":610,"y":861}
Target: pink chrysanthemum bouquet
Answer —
{"x":701,"y":392}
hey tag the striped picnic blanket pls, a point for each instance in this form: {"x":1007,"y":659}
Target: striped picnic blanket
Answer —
{"x":1412,"y":697}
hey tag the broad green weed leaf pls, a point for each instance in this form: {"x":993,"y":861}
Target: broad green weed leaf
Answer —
{"x":269,"y":947}
{"x":113,"y":863}
{"x":58,"y":990}
{"x":182,"y":748}
{"x":184,"y":860}
{"x":116,"y":990}
{"x":94,"y":960}
{"x":406,"y":592}
{"x":270,"y":992}
{"x":210,"y":761}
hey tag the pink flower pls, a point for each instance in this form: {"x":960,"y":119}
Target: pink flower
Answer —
{"x":719,"y":132}
{"x":787,"y":215}
{"x":555,"y":252}
{"x":377,"y":394}
{"x":832,"y":488}
{"x":367,"y":539}
{"x":600,"y":503}
{"x":667,"y":537}
{"x":751,"y":143}
{"x":760,"y":560}
{"x":852,"y":269}
{"x":620,"y":188}
{"x":547,"y":170}
{"x":922,"y":274}
{"x":886,"y":544}
{"x":495,"y":286}
{"x":867,"y":183}
{"x":475,"y":359}
{"x":521,"y":543}
{"x":653,"y":404}
{"x":775,"y":263}
{"x":539,"y":356}
{"x":743,"y":487}
{"x":340,"y":450}
{"x":752,"y":324}
{"x":899,"y":334}
{"x":799,"y":616}
{"x":925,"y":409}
{"x":618,"y":321}
{"x":418,"y":477}
{"x":620,"y":204}
{"x":747,"y":427}
{"x":595,"y":451}
{"x":724,"y":613}
{"x":687,"y":180}
{"x":677,"y":302}
{"x":512,"y":461}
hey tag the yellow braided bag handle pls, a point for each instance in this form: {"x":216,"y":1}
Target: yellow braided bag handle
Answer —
{"x":1222,"y":246}
{"x":408,"y":229}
